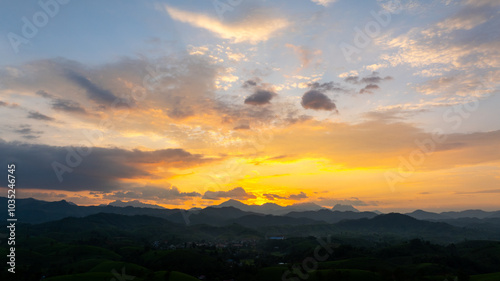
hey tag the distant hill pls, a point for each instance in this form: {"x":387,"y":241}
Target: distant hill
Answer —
{"x":344,"y":208}
{"x":480,"y":214}
{"x":256,"y":221}
{"x":270,"y":208}
{"x":231,"y":223}
{"x":331,"y":216}
{"x":402,"y":225}
{"x":133,"y":203}
{"x":423,"y":215}
{"x":298,"y":219}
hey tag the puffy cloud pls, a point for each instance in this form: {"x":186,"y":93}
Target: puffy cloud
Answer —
{"x":368,"y":89}
{"x":255,"y":27}
{"x":316,"y":100}
{"x":298,"y":196}
{"x":260,"y":97}
{"x":95,"y":168}
{"x":251,"y":83}
{"x":237,"y":193}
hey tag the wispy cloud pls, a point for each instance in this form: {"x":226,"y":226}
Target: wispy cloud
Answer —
{"x":255,"y":27}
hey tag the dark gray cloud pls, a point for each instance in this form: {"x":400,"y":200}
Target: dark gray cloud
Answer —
{"x":44,"y":94}
{"x":374,"y":78}
{"x":68,"y":106}
{"x":94,"y":92}
{"x":151,"y":193}
{"x":237,"y":193}
{"x":251,"y":83}
{"x":26,"y":132}
{"x":62,"y":104}
{"x":314,"y":99}
{"x":352,"y":79}
{"x":242,"y":127}
{"x":98,"y":169}
{"x":328,"y":86}
{"x":368,"y":89}
{"x":260,"y":97}
{"x":38,"y":116}
{"x":298,"y":196}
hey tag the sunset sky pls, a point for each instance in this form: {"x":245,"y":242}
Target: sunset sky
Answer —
{"x":385,"y":105}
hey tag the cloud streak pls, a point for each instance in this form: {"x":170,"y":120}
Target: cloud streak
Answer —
{"x":255,"y":27}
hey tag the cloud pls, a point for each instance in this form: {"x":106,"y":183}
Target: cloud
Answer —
{"x":26,"y":132}
{"x":260,"y":97}
{"x":298,"y":196}
{"x":251,"y":83}
{"x":371,"y":80}
{"x":368,"y":89}
{"x":99,"y":169}
{"x":316,"y":100}
{"x":354,"y":145}
{"x":305,"y":55}
{"x":68,"y":106}
{"x":6,"y":104}
{"x":392,"y":114}
{"x":157,"y":193}
{"x":62,"y":104}
{"x":39,"y":116}
{"x":462,"y":42}
{"x":44,"y":94}
{"x":176,"y":87}
{"x":480,"y":191}
{"x":328,"y":86}
{"x":479,"y":3}
{"x":237,"y":193}
{"x":324,"y":2}
{"x":242,"y":127}
{"x":255,"y":27}
{"x":374,"y":78}
{"x":94,"y":92}
{"x":351,"y":201}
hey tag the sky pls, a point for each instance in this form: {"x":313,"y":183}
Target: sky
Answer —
{"x":384,"y":105}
